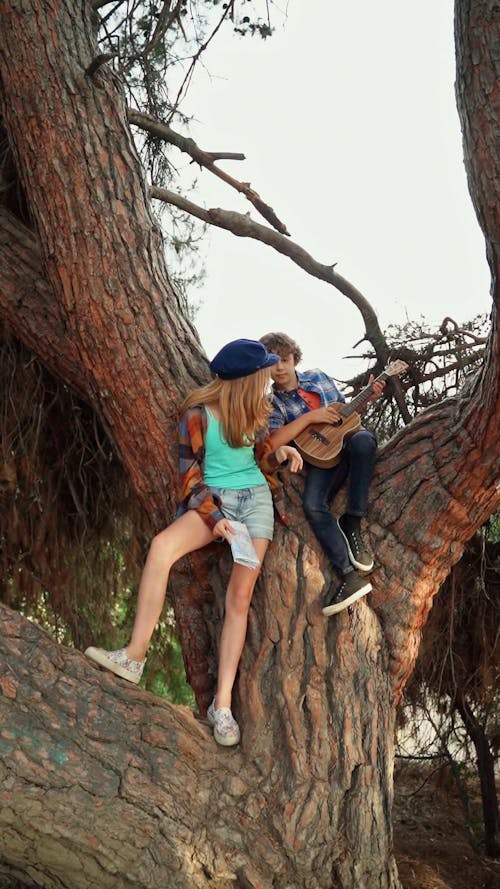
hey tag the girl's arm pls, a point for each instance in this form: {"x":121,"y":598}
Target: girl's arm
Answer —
{"x":269,"y":462}
{"x":270,"y":457}
{"x":265,"y":454}
{"x":194,"y":493}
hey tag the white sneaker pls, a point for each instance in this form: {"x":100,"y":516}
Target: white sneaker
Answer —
{"x":118,"y":662}
{"x":226,"y":729}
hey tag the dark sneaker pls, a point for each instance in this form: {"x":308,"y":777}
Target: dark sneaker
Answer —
{"x":352,"y":588}
{"x":359,"y":554}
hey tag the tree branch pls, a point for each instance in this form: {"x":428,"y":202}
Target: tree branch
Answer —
{"x":120,"y":757}
{"x":98,"y":62}
{"x":166,"y":18}
{"x":242,"y":226}
{"x":479,"y":340}
{"x":98,"y":4}
{"x":228,"y":13}
{"x":206,"y":159}
{"x":226,"y":155}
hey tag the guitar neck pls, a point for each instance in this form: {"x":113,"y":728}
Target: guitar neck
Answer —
{"x":357,"y":404}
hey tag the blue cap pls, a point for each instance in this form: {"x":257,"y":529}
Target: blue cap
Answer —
{"x":240,"y":358}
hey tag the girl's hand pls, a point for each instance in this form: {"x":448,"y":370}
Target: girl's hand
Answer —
{"x":286,"y":452}
{"x":224,"y":529}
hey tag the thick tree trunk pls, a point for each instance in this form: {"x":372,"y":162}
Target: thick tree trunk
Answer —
{"x":101,"y":783}
{"x":102,"y":252}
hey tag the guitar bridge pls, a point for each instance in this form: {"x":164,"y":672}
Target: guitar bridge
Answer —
{"x":318,"y":436}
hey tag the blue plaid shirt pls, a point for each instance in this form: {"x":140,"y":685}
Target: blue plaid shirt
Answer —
{"x":287,"y":406}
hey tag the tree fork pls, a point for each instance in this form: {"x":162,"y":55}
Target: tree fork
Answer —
{"x":136,"y":786}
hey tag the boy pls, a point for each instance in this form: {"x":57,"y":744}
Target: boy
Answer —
{"x":300,"y":399}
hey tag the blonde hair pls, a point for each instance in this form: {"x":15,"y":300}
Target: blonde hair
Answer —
{"x":242,"y":403}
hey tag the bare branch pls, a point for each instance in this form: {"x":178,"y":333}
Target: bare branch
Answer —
{"x":110,"y":35}
{"x":98,"y":62}
{"x":205,"y":159}
{"x":242,"y":226}
{"x":166,"y":19}
{"x":480,"y":340}
{"x":226,"y":155}
{"x":457,"y":365}
{"x":98,"y":4}
{"x":161,"y":130}
{"x":228,"y":13}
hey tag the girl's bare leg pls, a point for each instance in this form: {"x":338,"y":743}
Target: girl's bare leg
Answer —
{"x":238,"y":597}
{"x":184,"y":535}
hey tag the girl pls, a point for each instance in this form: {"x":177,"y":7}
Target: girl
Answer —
{"x":225,"y":456}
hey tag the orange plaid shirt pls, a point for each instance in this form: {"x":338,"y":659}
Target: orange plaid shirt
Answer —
{"x":194,"y":493}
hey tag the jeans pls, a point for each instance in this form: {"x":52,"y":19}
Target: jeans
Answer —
{"x":252,"y":506}
{"x":357,"y":462}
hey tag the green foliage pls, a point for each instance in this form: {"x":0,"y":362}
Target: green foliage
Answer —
{"x":492,"y":528}
{"x":164,"y":673}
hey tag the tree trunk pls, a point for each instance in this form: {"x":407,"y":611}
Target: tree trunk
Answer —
{"x":102,"y":784}
{"x":486,"y":772}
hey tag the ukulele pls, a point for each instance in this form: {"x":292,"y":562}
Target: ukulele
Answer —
{"x":320,"y":443}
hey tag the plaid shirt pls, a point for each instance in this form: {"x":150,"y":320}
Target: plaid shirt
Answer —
{"x":287,"y":406}
{"x":195,"y":494}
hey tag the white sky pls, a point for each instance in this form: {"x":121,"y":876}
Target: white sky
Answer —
{"x":348,"y":121}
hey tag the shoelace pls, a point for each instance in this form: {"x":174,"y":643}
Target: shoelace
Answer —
{"x":358,"y":541}
{"x":226,"y":723}
{"x":121,"y":658}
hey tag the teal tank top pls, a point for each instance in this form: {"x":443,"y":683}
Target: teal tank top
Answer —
{"x":227,"y":467}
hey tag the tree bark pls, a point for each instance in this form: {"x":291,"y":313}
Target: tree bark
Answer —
{"x":102,"y":251}
{"x":486,"y":772}
{"x":101,"y":783}
{"x":28,"y":304}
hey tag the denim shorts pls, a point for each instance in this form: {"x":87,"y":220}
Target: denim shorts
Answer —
{"x":252,"y":506}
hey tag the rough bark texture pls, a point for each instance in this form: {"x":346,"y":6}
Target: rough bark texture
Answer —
{"x":101,"y":249}
{"x":102,"y":784}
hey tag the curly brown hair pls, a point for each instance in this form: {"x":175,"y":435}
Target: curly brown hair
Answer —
{"x":282,"y":345}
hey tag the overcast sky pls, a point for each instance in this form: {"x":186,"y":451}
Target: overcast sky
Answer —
{"x":348,"y":121}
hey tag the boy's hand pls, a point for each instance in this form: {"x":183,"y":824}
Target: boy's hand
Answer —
{"x":285,"y":452}
{"x":328,"y":414}
{"x":378,"y":388}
